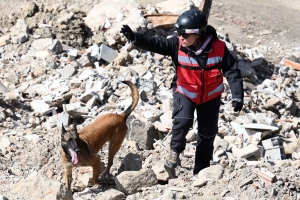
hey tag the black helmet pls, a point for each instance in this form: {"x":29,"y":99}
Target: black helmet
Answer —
{"x":191,"y":21}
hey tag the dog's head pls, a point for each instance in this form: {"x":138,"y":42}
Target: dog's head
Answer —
{"x":69,"y":143}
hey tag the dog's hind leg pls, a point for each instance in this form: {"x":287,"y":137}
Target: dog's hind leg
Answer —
{"x":68,"y":176}
{"x":114,"y":147}
{"x":96,"y":168}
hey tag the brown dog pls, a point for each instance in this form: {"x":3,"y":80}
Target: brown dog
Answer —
{"x":80,"y":149}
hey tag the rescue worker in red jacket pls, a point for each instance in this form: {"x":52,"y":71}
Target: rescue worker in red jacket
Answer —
{"x":200,"y":60}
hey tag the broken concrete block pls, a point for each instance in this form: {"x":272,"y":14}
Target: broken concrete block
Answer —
{"x":140,"y":69}
{"x":3,"y":89}
{"x":87,"y":95}
{"x":86,"y":74}
{"x":67,"y":71}
{"x":20,"y":27}
{"x":40,"y":106}
{"x":238,"y":129}
{"x":246,"y":182}
{"x":92,"y":102}
{"x":260,"y":64}
{"x":72,"y":53}
{"x":4,"y":40}
{"x":108,"y":54}
{"x":166,"y":119}
{"x":296,"y":155}
{"x":64,"y":118}
{"x":246,"y":152}
{"x":75,"y":83}
{"x":189,"y":150}
{"x":95,"y":52}
{"x":273,"y":102}
{"x":5,"y":142}
{"x":76,"y":110}
{"x":56,"y":46}
{"x":149,"y":86}
{"x":53,"y":45}
{"x":19,"y":39}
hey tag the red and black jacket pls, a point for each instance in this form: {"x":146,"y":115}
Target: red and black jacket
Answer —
{"x":199,"y":77}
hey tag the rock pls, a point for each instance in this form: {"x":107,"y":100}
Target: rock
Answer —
{"x":131,"y":182}
{"x":214,"y":172}
{"x":4,"y":143}
{"x":51,"y":189}
{"x":111,"y":194}
{"x":3,"y":197}
{"x":21,"y":27}
{"x":132,"y":162}
{"x":200,"y":182}
{"x":160,"y":171}
{"x":142,"y":132}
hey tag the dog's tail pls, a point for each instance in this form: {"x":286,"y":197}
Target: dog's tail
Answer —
{"x":135,"y":98}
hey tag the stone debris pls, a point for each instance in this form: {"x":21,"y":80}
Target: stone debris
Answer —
{"x":60,"y":61}
{"x":266,"y":176}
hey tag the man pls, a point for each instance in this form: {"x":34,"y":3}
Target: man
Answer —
{"x":200,"y":60}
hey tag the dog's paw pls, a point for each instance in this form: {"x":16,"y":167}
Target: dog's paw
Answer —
{"x":93,"y":182}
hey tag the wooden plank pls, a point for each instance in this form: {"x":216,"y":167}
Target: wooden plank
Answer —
{"x":162,"y":20}
{"x":205,"y":6}
{"x":168,"y":20}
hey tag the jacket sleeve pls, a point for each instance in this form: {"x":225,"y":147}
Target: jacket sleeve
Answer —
{"x":162,"y":45}
{"x":233,"y":76}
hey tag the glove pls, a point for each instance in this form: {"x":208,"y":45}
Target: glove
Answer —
{"x":128,"y":33}
{"x":237,"y":106}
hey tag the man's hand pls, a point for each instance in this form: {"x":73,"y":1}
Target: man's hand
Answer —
{"x":237,"y":106}
{"x":128,"y":33}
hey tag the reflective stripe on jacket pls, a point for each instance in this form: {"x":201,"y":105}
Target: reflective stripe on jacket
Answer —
{"x":201,"y":84}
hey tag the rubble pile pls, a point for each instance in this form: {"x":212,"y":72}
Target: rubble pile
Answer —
{"x":57,"y":63}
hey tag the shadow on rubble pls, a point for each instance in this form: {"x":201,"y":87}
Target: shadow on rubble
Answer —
{"x":13,"y":109}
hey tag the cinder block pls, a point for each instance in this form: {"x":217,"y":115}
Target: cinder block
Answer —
{"x":275,"y":153}
{"x":271,"y":143}
{"x":108,"y":54}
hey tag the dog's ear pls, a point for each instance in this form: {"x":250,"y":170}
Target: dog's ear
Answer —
{"x":74,"y":125}
{"x":62,"y":129}
{"x":75,"y":128}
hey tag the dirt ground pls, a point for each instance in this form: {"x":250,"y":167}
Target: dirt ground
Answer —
{"x":273,"y":24}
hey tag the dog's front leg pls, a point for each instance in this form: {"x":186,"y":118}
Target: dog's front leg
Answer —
{"x":68,"y":177}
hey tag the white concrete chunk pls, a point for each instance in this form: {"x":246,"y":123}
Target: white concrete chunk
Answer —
{"x":107,"y":53}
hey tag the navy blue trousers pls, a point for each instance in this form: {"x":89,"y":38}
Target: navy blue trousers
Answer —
{"x":207,"y":119}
